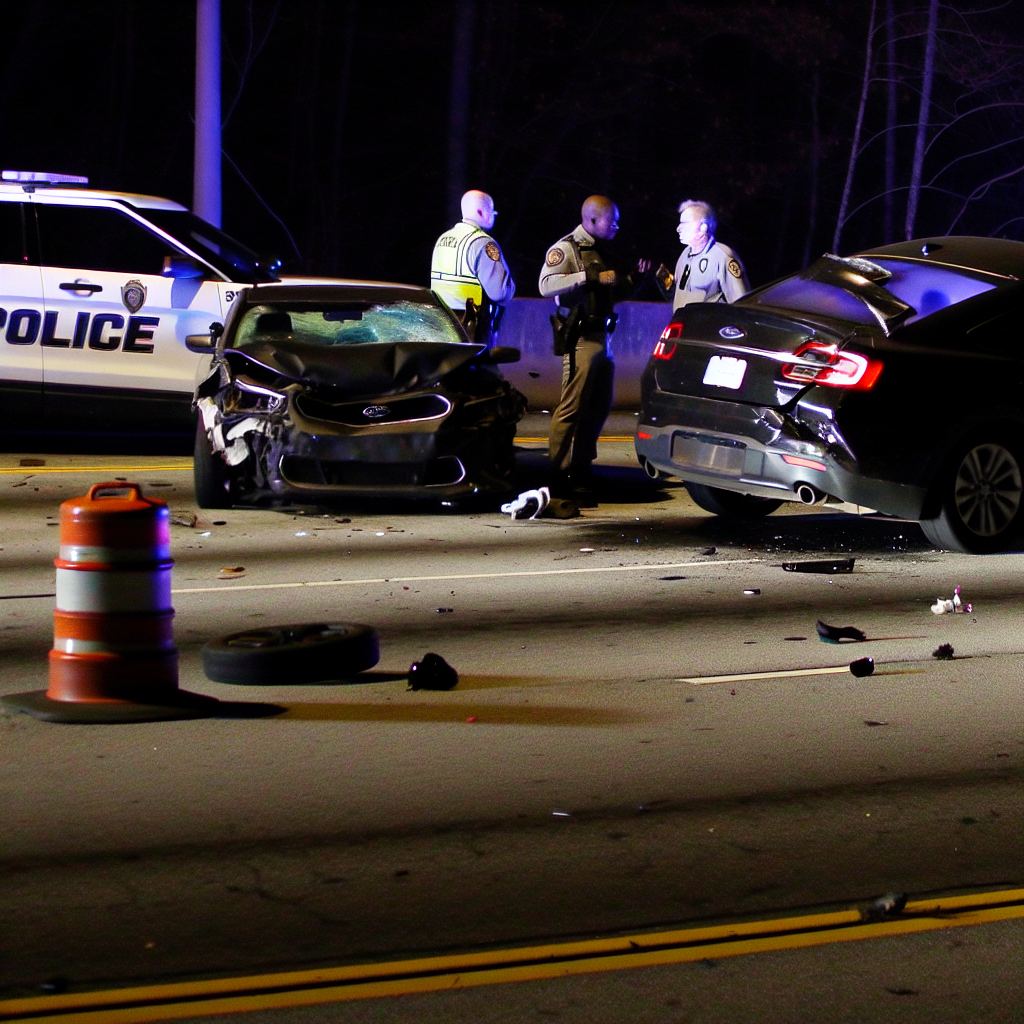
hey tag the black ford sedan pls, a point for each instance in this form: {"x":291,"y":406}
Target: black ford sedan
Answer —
{"x":324,"y":392}
{"x":893,"y":379}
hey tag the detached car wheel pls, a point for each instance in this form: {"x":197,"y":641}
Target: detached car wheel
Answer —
{"x":286,"y":655}
{"x":982,"y":501}
{"x":210,"y":474}
{"x":729,"y":504}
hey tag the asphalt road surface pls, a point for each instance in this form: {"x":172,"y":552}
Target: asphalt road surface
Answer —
{"x":592,"y":774}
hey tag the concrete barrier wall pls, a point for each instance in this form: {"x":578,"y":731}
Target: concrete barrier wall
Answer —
{"x":539,"y":373}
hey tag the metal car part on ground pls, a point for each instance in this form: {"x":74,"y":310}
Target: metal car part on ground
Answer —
{"x":324,"y":393}
{"x":891,"y":380}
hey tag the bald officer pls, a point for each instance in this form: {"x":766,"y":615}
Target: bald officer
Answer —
{"x":578,"y":276}
{"x":707,"y":270}
{"x":469,"y":271}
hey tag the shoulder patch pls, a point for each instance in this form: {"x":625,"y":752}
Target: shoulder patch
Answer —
{"x":492,"y":250}
{"x":735,"y":269}
{"x":554,"y":257}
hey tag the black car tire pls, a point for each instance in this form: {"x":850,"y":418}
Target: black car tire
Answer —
{"x":729,"y":504}
{"x":288,"y":655}
{"x":981,"y":506}
{"x":210,"y":474}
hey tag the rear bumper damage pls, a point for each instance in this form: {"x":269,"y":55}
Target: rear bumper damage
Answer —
{"x":764,"y":452}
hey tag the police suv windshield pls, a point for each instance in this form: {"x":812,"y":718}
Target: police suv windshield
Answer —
{"x":222,"y":251}
{"x":927,"y":289}
{"x":348,"y":323}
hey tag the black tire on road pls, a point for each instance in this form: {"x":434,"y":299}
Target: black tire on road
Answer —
{"x":289,"y":655}
{"x":729,"y":504}
{"x":210,"y":474}
{"x":981,"y":507}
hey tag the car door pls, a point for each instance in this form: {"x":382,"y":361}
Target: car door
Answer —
{"x":113,"y":337}
{"x":21,"y":320}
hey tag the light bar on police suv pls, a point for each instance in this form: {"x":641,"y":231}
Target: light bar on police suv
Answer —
{"x":43,"y":178}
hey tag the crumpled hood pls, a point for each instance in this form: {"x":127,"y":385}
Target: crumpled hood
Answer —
{"x":358,"y":370}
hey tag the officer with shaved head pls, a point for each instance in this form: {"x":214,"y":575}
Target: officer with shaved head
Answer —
{"x":469,"y":271}
{"x":578,"y":275}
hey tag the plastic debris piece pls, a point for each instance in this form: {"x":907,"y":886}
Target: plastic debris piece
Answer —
{"x":710,"y":551}
{"x":231,"y":572}
{"x":445,"y":611}
{"x":220,"y":522}
{"x":753,"y":591}
{"x":732,"y":693}
{"x":529,"y":504}
{"x":944,"y":652}
{"x":794,"y":638}
{"x":561,"y":814}
{"x":953,"y":604}
{"x":432,"y":672}
{"x":827,"y":567}
{"x":301,"y":533}
{"x":862,"y":667}
{"x":472,"y":718}
{"x":873,"y":722}
{"x":667,"y":578}
{"x":587,"y":551}
{"x":833,"y":634}
{"x":889,"y":905}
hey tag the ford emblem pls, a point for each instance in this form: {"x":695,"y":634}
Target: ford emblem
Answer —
{"x":376,"y":412}
{"x":732,"y":333}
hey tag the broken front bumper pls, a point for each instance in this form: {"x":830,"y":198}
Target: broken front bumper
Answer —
{"x":758,"y":450}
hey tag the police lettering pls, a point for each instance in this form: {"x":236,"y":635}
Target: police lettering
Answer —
{"x":26,"y":326}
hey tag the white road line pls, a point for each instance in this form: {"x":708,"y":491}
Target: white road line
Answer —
{"x":742,"y":677}
{"x":461,"y":576}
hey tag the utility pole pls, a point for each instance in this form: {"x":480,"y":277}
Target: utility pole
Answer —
{"x":206,"y":174}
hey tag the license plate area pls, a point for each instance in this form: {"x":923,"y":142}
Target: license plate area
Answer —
{"x":725,"y":372}
{"x":714,"y":455}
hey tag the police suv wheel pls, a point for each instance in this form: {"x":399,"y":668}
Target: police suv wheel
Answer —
{"x":210,"y":474}
{"x":289,"y":655}
{"x":729,"y":504}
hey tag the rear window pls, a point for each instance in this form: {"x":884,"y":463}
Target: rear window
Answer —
{"x":352,"y":323}
{"x":928,"y":289}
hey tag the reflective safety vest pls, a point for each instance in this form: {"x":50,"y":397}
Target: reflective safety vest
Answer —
{"x":451,"y":275}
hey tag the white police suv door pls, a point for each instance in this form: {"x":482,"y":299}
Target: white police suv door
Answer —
{"x":21,"y":321}
{"x":113,"y":339}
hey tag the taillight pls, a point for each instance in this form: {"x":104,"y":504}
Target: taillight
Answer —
{"x":666,"y":347}
{"x":827,"y":366}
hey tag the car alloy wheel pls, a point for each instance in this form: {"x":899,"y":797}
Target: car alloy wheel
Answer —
{"x":987,"y":492}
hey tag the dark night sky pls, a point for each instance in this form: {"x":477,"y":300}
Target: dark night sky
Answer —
{"x":341,"y":125}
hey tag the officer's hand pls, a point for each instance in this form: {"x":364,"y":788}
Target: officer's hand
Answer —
{"x":642,"y":266}
{"x":607,"y":277}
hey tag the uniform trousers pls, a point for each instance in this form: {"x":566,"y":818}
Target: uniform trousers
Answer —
{"x":588,"y":375}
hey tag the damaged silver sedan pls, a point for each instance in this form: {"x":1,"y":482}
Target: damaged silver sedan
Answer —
{"x":321,"y":393}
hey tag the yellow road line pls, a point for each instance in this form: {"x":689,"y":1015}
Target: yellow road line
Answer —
{"x":34,"y":470}
{"x":431,"y":974}
{"x":460,"y":576}
{"x":544,"y":440}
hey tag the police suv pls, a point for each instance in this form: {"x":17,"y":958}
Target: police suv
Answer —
{"x":106,"y":302}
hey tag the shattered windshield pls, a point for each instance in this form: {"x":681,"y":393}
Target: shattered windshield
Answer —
{"x":348,"y":323}
{"x":927,"y":289}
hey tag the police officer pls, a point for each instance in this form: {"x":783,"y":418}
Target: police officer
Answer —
{"x":577,"y":274}
{"x":469,"y":271}
{"x":707,"y":270}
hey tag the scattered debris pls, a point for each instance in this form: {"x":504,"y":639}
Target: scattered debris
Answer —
{"x":301,"y":533}
{"x":22,"y":483}
{"x":561,"y":814}
{"x":710,"y":551}
{"x":672,"y":578}
{"x":182,"y":517}
{"x":345,"y":520}
{"x":902,"y":991}
{"x":432,"y":672}
{"x":753,"y":591}
{"x":826,"y":567}
{"x":944,"y":652}
{"x":529,"y":504}
{"x":889,"y":905}
{"x":953,"y":604}
{"x":445,"y":611}
{"x":833,"y":634}
{"x":586,"y":551}
{"x":220,"y":522}
{"x":232,"y":572}
{"x":31,"y":462}
{"x":471,"y":719}
{"x":54,"y":986}
{"x":872,"y":722}
{"x":862,"y":667}
{"x":159,"y":483}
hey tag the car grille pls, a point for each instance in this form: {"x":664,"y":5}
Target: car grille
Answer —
{"x":366,"y":413}
{"x":303,"y":471}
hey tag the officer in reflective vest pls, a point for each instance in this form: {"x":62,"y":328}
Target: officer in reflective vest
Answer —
{"x":707,"y":270}
{"x":469,"y":271}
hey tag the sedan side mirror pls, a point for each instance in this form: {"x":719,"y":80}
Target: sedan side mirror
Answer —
{"x":205,"y":343}
{"x":182,"y":267}
{"x":503,"y":354}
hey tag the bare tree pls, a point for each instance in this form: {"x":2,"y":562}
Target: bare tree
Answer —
{"x":458,"y":109}
{"x":924,"y":112}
